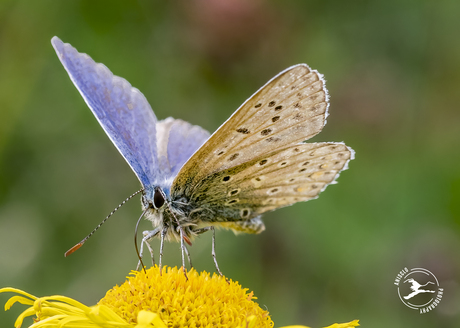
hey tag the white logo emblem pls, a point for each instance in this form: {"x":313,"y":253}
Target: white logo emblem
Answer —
{"x":418,"y":289}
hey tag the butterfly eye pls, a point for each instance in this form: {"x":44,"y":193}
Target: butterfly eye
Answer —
{"x":158,"y":199}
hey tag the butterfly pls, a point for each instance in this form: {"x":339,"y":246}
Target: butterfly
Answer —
{"x":257,"y":161}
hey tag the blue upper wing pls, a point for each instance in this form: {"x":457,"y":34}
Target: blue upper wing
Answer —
{"x":184,"y":140}
{"x":123,"y":112}
{"x":177,"y":141}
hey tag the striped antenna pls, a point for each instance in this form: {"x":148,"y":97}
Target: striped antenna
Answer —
{"x":80,"y":244}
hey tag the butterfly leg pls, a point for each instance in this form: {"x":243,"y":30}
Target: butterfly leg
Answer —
{"x":213,"y":251}
{"x":182,"y":247}
{"x":148,"y":236}
{"x":149,"y":247}
{"x":188,"y":257}
{"x":162,"y":243}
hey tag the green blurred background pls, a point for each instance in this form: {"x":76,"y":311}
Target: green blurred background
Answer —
{"x":393,"y":72}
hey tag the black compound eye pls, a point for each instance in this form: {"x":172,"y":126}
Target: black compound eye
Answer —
{"x":158,"y":199}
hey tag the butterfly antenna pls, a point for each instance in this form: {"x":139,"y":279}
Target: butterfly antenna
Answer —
{"x":135,"y":240}
{"x":80,"y":244}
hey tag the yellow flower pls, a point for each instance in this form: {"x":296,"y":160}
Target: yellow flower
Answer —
{"x":150,"y":299}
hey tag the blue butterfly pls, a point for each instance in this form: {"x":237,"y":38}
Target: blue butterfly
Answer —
{"x":255,"y":162}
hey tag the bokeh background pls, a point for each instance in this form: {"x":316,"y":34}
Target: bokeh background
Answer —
{"x":393,"y":72}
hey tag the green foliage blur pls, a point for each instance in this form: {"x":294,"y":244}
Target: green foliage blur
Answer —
{"x":393,"y":73}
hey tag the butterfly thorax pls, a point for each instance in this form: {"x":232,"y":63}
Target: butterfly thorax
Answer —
{"x":167,"y":215}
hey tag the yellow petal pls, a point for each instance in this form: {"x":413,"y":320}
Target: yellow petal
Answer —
{"x":350,"y":324}
{"x":147,"y":319}
{"x":103,"y":315}
{"x":19,"y":299}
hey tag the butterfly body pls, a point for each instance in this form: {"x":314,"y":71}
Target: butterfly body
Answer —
{"x":257,"y":161}
{"x":190,"y":213}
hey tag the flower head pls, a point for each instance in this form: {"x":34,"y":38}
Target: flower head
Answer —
{"x":202,"y":300}
{"x":150,"y":299}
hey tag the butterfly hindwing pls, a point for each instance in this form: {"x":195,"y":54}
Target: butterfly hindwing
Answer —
{"x":290,"y":108}
{"x":177,"y":141}
{"x":123,"y":112}
{"x":184,"y":140}
{"x":277,"y":179}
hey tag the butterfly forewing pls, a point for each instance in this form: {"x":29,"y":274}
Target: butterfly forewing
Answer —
{"x":290,"y":108}
{"x":123,"y":112}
